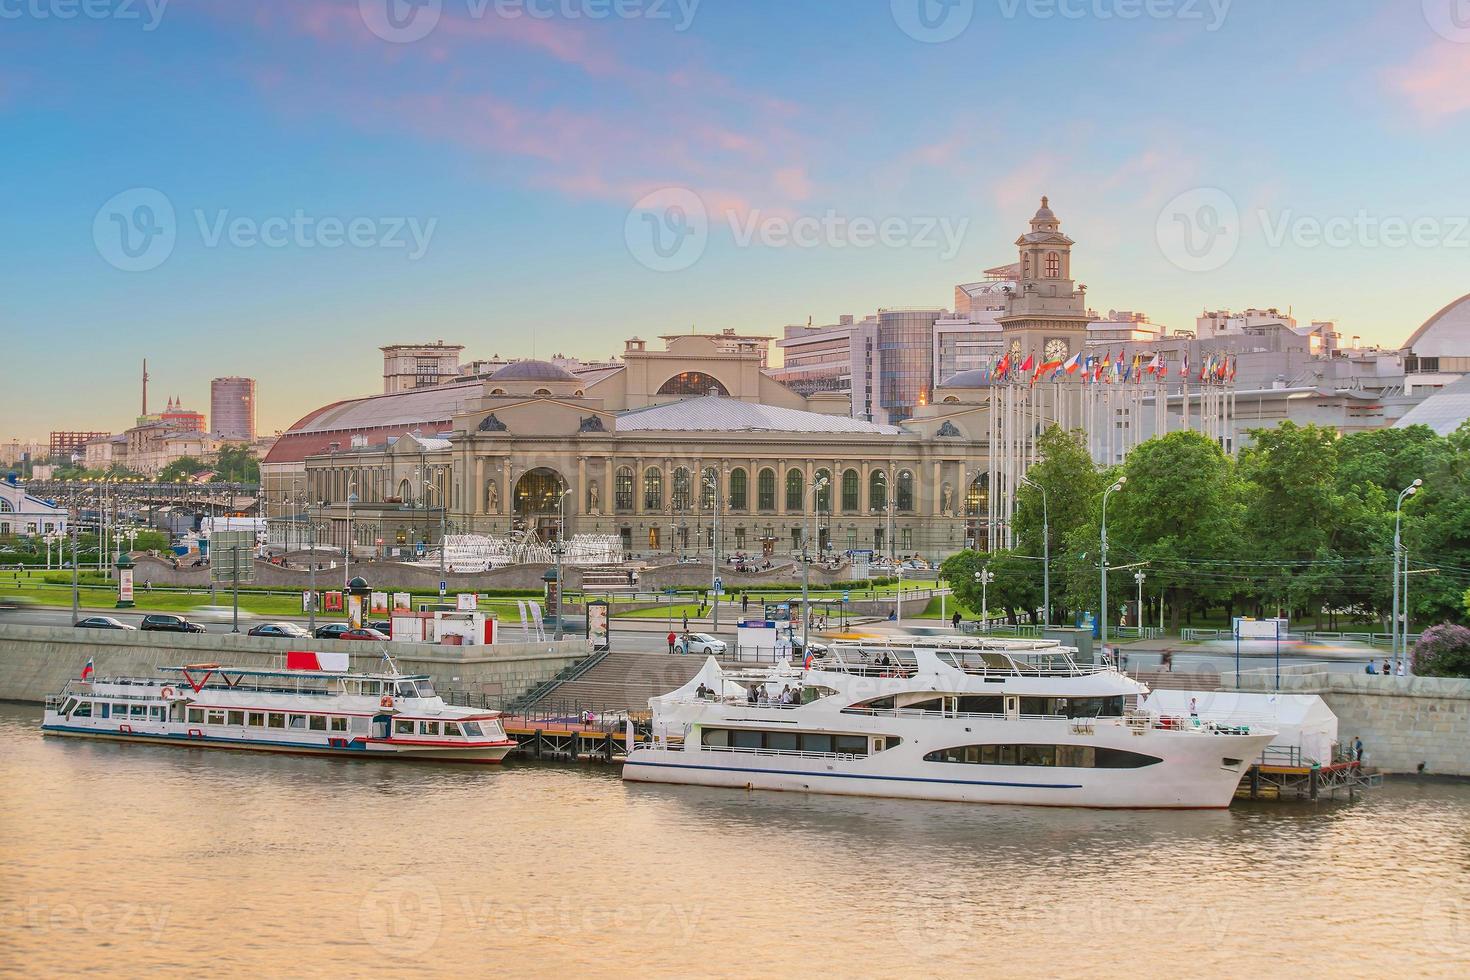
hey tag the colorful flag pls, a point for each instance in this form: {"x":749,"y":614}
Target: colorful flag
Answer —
{"x":1074,"y":362}
{"x":1026,"y":364}
{"x":89,"y":670}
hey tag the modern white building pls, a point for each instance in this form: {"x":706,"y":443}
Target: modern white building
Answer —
{"x":22,"y":514}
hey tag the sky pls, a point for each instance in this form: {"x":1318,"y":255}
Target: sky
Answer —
{"x":276,"y":188}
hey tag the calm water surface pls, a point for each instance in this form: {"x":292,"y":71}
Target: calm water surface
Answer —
{"x":120,"y":859}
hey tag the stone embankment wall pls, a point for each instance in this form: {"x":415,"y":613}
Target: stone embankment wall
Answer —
{"x":1403,"y":721}
{"x":38,"y":660}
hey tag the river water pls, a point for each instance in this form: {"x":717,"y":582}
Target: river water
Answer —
{"x":120,"y":859}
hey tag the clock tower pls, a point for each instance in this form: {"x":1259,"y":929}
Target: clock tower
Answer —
{"x":1046,"y":312}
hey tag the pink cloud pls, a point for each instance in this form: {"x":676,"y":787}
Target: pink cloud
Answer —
{"x":1437,"y":83}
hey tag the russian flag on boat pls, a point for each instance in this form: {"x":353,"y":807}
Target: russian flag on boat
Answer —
{"x":306,"y":660}
{"x":89,"y":670}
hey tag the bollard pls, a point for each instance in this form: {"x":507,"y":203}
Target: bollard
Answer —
{"x":537,"y":742}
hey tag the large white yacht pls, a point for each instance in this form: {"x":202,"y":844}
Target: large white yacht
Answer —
{"x":314,"y":711}
{"x":993,"y":721}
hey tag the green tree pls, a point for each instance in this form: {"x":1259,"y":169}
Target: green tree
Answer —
{"x":1072,"y":482}
{"x":237,"y":464}
{"x":1437,"y":531}
{"x":181,"y":469}
{"x":1016,"y":590}
{"x":1181,"y":507}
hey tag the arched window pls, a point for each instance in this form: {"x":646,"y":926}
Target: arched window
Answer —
{"x":766,"y":490}
{"x":681,"y":496}
{"x":903,"y":499}
{"x":851,"y":485}
{"x":7,"y":507}
{"x":739,"y":491}
{"x":1053,"y":265}
{"x":623,"y":489}
{"x":795,"y":487}
{"x":693,"y":383}
{"x":878,"y":490}
{"x":405,"y":491}
{"x":653,"y":488}
{"x":977,"y":498}
{"x":824,"y":496}
{"x":709,"y":483}
{"x":542,"y":392}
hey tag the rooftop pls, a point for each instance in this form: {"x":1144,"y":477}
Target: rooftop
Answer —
{"x":716,"y":414}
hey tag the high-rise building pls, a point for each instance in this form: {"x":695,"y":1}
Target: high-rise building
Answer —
{"x":69,"y":443}
{"x":232,"y":407}
{"x":410,"y":366}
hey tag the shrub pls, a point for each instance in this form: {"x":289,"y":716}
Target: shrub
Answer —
{"x":1443,"y":651}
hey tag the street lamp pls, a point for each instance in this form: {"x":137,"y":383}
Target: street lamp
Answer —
{"x":806,"y":567}
{"x":347,"y":543}
{"x":558,"y":550}
{"x":1104,"y":625}
{"x":712,"y":481}
{"x":1398,"y":551}
{"x":311,"y":566}
{"x":985,"y":576}
{"x":1045,"y":547}
{"x":888,"y":506}
{"x":1139,"y":577}
{"x":443,"y":518}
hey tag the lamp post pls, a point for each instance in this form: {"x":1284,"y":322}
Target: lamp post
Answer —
{"x":1398,"y":550}
{"x":443,"y":531}
{"x":347,"y":542}
{"x":75,"y":562}
{"x":1139,"y":577}
{"x":806,"y":567}
{"x":311,"y":570}
{"x":1104,"y":564}
{"x":712,"y":481}
{"x":559,"y":550}
{"x":985,"y":576}
{"x":1045,"y":548}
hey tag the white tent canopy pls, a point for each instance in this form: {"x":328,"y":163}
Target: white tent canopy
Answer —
{"x":1303,"y":720}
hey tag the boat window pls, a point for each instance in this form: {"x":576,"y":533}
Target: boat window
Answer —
{"x":106,"y":709}
{"x":339,"y":724}
{"x":276,"y":719}
{"x":472,"y":729}
{"x":881,"y":704}
{"x":298,"y":721}
{"x":426,"y":688}
{"x":402,"y":727}
{"x":370,"y":687}
{"x":451,"y":729}
{"x":405,"y":690}
{"x":783,"y":741}
{"x":155,"y":712}
{"x":1064,"y":756}
{"x":719,"y":737}
{"x":977,"y":704}
{"x":428,"y":728}
{"x":318,"y":723}
{"x":139,"y":711}
{"x":1036,"y":706}
{"x":816,"y":743}
{"x":257,"y":719}
{"x":215,"y":717}
{"x":84,"y":710}
{"x":850,"y":744}
{"x":932,"y":704}
{"x":70,"y":704}
{"x":237,"y":717}
{"x":747,"y":740}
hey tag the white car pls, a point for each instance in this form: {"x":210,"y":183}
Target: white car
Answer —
{"x":702,"y":643}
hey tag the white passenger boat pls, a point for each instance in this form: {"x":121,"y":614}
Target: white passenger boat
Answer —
{"x":320,"y":712}
{"x":1017,"y":722}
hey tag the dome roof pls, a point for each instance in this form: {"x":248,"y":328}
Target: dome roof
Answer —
{"x":533,"y":371}
{"x":1044,"y":213}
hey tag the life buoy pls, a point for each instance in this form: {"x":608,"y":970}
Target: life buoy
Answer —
{"x":167,"y":693}
{"x":387,"y":701}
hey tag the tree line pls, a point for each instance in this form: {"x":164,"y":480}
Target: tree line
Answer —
{"x":1301,"y":525}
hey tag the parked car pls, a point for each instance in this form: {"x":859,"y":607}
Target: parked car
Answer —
{"x":365,"y":633}
{"x":282,"y":630}
{"x":702,"y":643}
{"x":382,"y":626}
{"x":160,"y":623}
{"x":332,"y":631}
{"x":103,"y":623}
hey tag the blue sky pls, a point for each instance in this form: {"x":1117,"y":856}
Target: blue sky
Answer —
{"x":529,"y":153}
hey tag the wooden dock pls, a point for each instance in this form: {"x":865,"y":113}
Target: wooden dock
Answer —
{"x":1270,"y":781}
{"x":566,"y":739}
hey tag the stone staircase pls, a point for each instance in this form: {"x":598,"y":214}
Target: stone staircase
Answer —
{"x":623,"y":682}
{"x":1179,"y":680}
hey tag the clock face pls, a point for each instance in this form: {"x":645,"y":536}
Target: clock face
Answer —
{"x":1056,"y":350}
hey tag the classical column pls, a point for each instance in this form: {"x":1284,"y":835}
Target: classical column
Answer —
{"x":936,"y":491}
{"x":609,"y":491}
{"x":781,"y":488}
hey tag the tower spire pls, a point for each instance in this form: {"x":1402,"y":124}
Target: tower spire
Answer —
{"x":145,"y":386}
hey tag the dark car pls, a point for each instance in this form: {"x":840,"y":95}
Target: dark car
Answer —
{"x":170,"y":624}
{"x":332,"y":631}
{"x":289,"y":631}
{"x":103,"y":623}
{"x":382,"y":626}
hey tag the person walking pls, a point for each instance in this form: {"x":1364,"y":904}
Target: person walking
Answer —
{"x":955,"y":620}
{"x":744,"y":604}
{"x":1358,"y":750}
{"x":686,"y":621}
{"x":672,"y":638}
